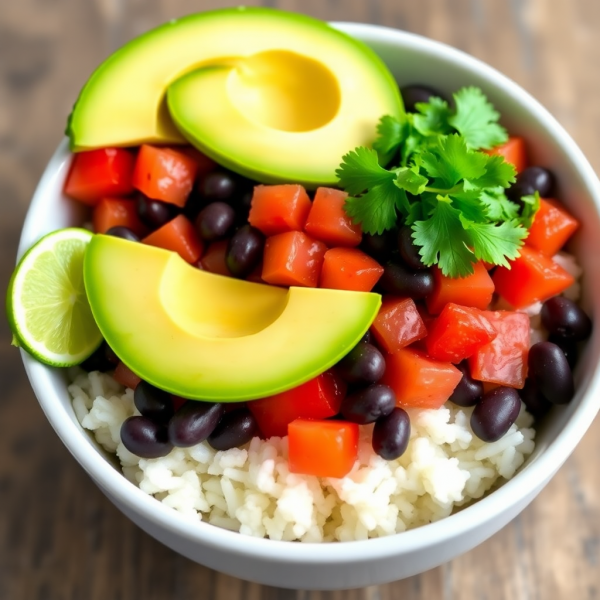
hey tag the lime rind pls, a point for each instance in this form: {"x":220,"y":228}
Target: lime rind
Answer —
{"x":47,"y":306}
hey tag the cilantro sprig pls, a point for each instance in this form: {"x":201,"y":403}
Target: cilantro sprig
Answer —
{"x":443,"y":186}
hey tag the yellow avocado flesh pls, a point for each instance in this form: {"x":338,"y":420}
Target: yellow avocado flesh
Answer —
{"x":278,"y":105}
{"x":208,"y":337}
{"x":290,"y":76}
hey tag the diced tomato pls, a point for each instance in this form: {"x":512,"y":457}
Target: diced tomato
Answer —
{"x":98,"y":173}
{"x":178,"y":402}
{"x":318,"y":398}
{"x":349,"y":269}
{"x":513,"y":151}
{"x":419,"y":381}
{"x":213,"y":259}
{"x":474,"y":290}
{"x":293,"y":258}
{"x":180,"y":236}
{"x":117,"y":212}
{"x":504,"y":360}
{"x":125,"y":376}
{"x":328,"y":221}
{"x":457,"y":333}
{"x":551,"y":228}
{"x":204,"y":164}
{"x":398,"y":324}
{"x":322,"y":448}
{"x":164,"y":174}
{"x":532,"y":277}
{"x":279,"y":208}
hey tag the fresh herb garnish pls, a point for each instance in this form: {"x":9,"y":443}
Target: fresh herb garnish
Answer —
{"x":450,"y":193}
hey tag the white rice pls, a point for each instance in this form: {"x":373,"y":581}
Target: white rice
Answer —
{"x":251,"y":490}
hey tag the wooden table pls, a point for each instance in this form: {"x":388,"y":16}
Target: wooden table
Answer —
{"x":59,"y":537}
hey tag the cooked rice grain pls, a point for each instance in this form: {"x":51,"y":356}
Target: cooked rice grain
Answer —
{"x":251,"y":490}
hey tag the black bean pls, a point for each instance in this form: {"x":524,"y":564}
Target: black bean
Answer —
{"x":194,"y":422}
{"x":413,"y":94}
{"x":381,"y":246}
{"x":531,"y":180}
{"x":145,"y":438}
{"x":469,"y":391}
{"x":369,"y":404}
{"x":218,"y":185}
{"x":123,"y":232}
{"x":155,"y":213}
{"x":563,"y":318}
{"x":409,"y":252}
{"x":244,"y":251}
{"x":495,"y":413}
{"x":550,"y":371}
{"x":215,"y":221}
{"x":363,"y":364}
{"x":569,"y":347}
{"x":103,"y":359}
{"x":391,"y":434}
{"x":235,"y":429}
{"x":401,"y":281}
{"x":533,"y":399}
{"x":153,"y":402}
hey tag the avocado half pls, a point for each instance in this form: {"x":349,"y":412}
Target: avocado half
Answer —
{"x":207,"y":337}
{"x":273,"y":95}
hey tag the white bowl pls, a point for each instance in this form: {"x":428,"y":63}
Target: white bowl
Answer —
{"x":412,"y":59}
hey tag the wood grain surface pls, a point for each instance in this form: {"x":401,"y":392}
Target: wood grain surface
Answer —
{"x":59,"y":537}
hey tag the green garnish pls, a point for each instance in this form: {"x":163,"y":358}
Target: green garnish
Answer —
{"x":450,"y":193}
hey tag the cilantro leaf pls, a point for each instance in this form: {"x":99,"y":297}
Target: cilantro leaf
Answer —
{"x":451,"y":160}
{"x":443,"y":240}
{"x":432,"y":118}
{"x":375,"y":210}
{"x":470,"y":205}
{"x":497,"y":206}
{"x":390,"y":135}
{"x":498,"y":173}
{"x":531,"y":204}
{"x":477,"y":120}
{"x":360,"y":170}
{"x":495,"y":243}
{"x":409,"y":180}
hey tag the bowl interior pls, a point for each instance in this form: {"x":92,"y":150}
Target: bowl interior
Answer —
{"x":412,"y":59}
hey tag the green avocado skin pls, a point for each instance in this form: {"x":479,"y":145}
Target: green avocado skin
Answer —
{"x":107,"y":103}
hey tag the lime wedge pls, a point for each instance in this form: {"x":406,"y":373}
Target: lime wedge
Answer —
{"x":47,"y":306}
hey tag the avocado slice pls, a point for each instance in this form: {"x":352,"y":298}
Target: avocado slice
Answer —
{"x":208,"y":337}
{"x":331,"y":85}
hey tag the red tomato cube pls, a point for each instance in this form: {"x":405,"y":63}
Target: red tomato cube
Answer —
{"x":532,"y":277}
{"x":318,"y":398}
{"x":419,"y":381}
{"x":98,"y":173}
{"x":125,"y":376}
{"x":180,"y":236}
{"x":117,"y":212}
{"x":551,"y":228}
{"x":349,"y":269}
{"x":457,"y":333}
{"x":279,"y":208}
{"x":504,"y":360}
{"x":213,"y":259}
{"x":322,"y":448}
{"x":474,"y":290}
{"x":398,"y":324}
{"x":164,"y":174}
{"x":328,"y":221}
{"x":513,"y":151}
{"x":293,"y":259}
